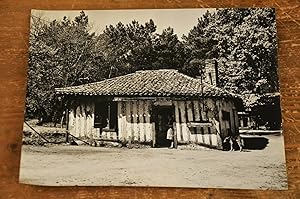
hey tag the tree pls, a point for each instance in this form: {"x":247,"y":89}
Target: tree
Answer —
{"x":243,"y":41}
{"x":62,"y":53}
{"x":128,"y":47}
{"x":168,"y":50}
{"x":251,"y":49}
{"x":135,"y":47}
{"x":200,"y":44}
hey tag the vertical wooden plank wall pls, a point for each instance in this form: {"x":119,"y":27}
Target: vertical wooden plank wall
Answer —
{"x":81,"y":120}
{"x":135,"y":121}
{"x":189,"y":111}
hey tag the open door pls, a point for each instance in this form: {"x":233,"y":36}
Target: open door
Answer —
{"x":161,"y":118}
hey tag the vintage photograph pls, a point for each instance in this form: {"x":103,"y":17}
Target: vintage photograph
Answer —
{"x":156,"y":97}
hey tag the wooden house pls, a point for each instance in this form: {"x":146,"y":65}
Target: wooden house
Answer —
{"x":137,"y":107}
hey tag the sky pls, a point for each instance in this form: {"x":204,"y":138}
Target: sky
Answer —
{"x":181,"y":20}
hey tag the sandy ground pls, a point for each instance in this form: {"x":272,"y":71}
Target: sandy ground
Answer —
{"x":57,"y":165}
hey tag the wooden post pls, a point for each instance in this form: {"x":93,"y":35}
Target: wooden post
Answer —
{"x":152,"y":120}
{"x":153,"y":134}
{"x":67,"y":125}
{"x":221,"y":126}
{"x":183,"y":120}
{"x":141,"y":121}
{"x":190,"y":117}
{"x":120,"y":122}
{"x":128,"y":120}
{"x":84,"y":119}
{"x":175,"y":136}
{"x":134,"y":120}
{"x":177,"y":121}
{"x":108,"y":115}
{"x":148,"y":127}
{"x":77,"y":121}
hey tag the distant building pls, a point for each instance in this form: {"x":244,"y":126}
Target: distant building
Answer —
{"x":137,"y":107}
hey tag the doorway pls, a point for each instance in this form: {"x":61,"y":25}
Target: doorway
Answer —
{"x":162,"y":115}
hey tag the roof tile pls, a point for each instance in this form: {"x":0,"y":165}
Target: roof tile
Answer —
{"x":164,"y":82}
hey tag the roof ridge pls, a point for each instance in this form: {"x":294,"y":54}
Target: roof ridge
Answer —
{"x":155,"y":70}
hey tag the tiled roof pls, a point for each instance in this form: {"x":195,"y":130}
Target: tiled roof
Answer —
{"x":162,"y":83}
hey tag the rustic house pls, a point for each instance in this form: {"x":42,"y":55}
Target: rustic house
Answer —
{"x":137,"y":107}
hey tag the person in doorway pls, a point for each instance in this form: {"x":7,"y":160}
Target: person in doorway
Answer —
{"x":170,"y":132}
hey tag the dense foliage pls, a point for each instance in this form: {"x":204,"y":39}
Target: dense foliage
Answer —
{"x":243,"y":41}
{"x":65,"y":53}
{"x":62,"y":53}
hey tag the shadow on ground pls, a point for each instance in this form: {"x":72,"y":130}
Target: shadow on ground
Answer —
{"x":255,"y":143}
{"x":250,"y":143}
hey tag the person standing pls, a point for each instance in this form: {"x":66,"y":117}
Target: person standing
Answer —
{"x":170,"y":132}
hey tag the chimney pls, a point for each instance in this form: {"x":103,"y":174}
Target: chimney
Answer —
{"x":211,"y":72}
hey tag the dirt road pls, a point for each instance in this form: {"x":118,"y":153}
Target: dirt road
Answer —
{"x":84,"y":165}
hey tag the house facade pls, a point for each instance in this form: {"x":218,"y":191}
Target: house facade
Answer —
{"x":137,"y":107}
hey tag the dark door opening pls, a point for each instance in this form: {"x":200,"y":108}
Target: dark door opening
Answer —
{"x":106,"y":116}
{"x":162,"y":115}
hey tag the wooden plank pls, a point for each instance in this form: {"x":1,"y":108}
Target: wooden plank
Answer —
{"x":128,"y":120}
{"x":124,"y":121}
{"x":88,"y":119}
{"x":141,"y":123}
{"x":163,"y":103}
{"x":202,"y":135}
{"x":202,"y":109}
{"x":120,"y":120}
{"x":190,"y":118}
{"x":77,"y":122}
{"x":235,"y":119}
{"x":92,"y":118}
{"x":199,"y":124}
{"x":72,"y":122}
{"x":209,"y":137}
{"x":153,"y":134}
{"x":196,"y":110}
{"x":232,"y":119}
{"x":214,"y":140}
{"x":177,"y":121}
{"x":197,"y":118}
{"x":131,"y":120}
{"x":203,"y":116}
{"x":175,"y":135}
{"x":148,"y":125}
{"x":83,"y":120}
{"x":183,"y":121}
{"x":222,"y":123}
{"x":134,"y":119}
{"x":206,"y":136}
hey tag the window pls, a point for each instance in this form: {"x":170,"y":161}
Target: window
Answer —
{"x":106,"y":115}
{"x":225,"y":115}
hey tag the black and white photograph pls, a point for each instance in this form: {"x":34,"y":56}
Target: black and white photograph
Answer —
{"x":154,"y":97}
